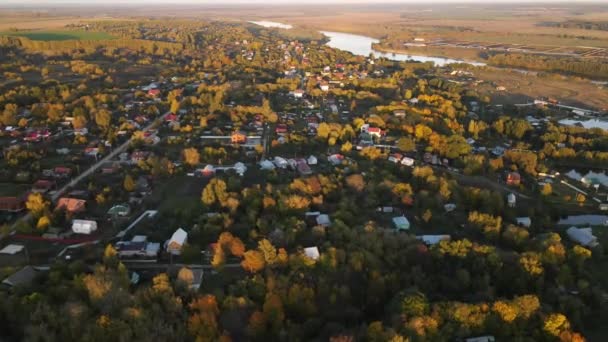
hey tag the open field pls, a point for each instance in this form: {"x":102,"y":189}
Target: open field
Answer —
{"x":47,"y":35}
{"x":33,"y":23}
{"x":569,"y":90}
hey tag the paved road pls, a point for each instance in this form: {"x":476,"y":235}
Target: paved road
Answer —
{"x":120,"y":149}
{"x":155,"y":266}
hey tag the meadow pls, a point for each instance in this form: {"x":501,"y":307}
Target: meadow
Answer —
{"x":57,"y":35}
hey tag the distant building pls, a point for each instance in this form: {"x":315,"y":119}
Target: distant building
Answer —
{"x":401,"y":223}
{"x":524,"y":221}
{"x":238,"y":137}
{"x":24,"y":276}
{"x":584,"y":236}
{"x":511,"y":200}
{"x":513,"y":178}
{"x":323,"y":220}
{"x":12,"y":204}
{"x":71,"y":205}
{"x":177,"y":241}
{"x":312,"y":252}
{"x":119,"y":210}
{"x":84,"y":226}
{"x":432,"y":239}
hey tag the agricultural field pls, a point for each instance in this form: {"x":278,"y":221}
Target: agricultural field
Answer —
{"x":49,"y":35}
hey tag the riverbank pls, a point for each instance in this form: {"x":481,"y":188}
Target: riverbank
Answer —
{"x":453,"y":53}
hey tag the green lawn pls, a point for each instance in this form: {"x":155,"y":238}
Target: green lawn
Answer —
{"x":48,"y":35}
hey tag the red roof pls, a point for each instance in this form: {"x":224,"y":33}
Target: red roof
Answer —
{"x":154,"y":92}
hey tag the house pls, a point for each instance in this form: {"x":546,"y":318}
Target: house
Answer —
{"x":121,"y":210}
{"x":280,"y":162}
{"x":207,"y":171}
{"x":238,"y":137}
{"x":240,"y":168}
{"x":399,"y":113}
{"x":513,"y":178}
{"x":584,"y":236}
{"x":303,"y":167}
{"x":12,"y":249}
{"x":511,"y":200}
{"x":449,"y":207}
{"x":524,"y":221}
{"x":84,"y":226}
{"x":335,"y":159}
{"x":375,"y":132}
{"x":281,"y":129}
{"x":487,"y":338}
{"x":12,"y":204}
{"x":266,"y":165}
{"x":401,"y":223}
{"x":138,"y":156}
{"x":323,"y":220}
{"x":43,"y":186}
{"x":137,"y":247}
{"x":154,"y":92}
{"x":407,"y":161}
{"x":432,"y":239}
{"x":312,"y":252}
{"x":177,"y":241}
{"x":91,"y":151}
{"x":312,"y":160}
{"x":62,"y":172}
{"x":171,"y":117}
{"x":395,"y":158}
{"x":24,"y":276}
{"x":71,"y":205}
{"x":498,"y":151}
{"x":298,"y":93}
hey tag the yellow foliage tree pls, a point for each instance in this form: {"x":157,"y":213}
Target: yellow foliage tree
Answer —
{"x":43,"y":223}
{"x":36,"y":204}
{"x":128,"y":184}
{"x":191,"y":156}
{"x":253,"y":262}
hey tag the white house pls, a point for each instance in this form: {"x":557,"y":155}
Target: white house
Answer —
{"x":177,"y":241}
{"x":511,"y":200}
{"x":312,"y":160}
{"x":524,"y":221}
{"x":584,"y":236}
{"x":432,"y":239}
{"x":323,"y":220}
{"x":266,"y":165}
{"x":84,"y":226}
{"x":401,"y":223}
{"x":312,"y":252}
{"x":449,"y":207}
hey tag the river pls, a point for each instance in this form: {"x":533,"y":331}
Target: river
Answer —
{"x":362,"y":46}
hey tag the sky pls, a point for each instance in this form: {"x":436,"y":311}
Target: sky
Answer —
{"x":283,"y":2}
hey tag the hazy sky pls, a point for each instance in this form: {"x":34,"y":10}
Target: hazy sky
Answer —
{"x":284,"y":2}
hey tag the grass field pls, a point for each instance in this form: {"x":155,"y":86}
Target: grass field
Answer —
{"x":48,"y":35}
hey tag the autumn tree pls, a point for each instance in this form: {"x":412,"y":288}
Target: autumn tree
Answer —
{"x":103,"y":118}
{"x":128,"y":183}
{"x":36,"y":204}
{"x":356,"y":182}
{"x":191,"y":156}
{"x":202,"y":323}
{"x":253,"y":261}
